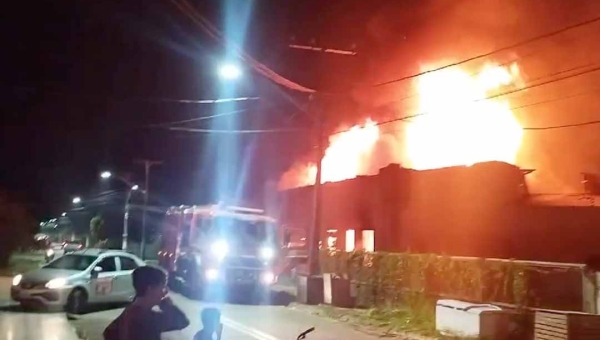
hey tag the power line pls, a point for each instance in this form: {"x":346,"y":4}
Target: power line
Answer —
{"x":554,"y":100}
{"x":208,"y":101}
{"x":236,"y":131}
{"x":152,"y":99}
{"x":593,"y":122}
{"x":513,"y":60}
{"x":505,"y":48}
{"x":426,"y":113}
{"x":215,"y":34}
{"x":262,"y":69}
{"x":198,"y":118}
{"x":404,"y":118}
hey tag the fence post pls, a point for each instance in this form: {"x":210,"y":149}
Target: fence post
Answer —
{"x":590,"y":280}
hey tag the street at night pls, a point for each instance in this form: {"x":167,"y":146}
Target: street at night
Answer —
{"x":256,"y":169}
{"x":241,"y":321}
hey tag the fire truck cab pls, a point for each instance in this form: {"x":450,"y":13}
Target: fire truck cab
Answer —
{"x":220,"y":246}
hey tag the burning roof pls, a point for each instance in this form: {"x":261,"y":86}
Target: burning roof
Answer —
{"x":457,"y":122}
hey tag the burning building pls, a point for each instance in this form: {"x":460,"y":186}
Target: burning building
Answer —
{"x":459,"y":192}
{"x":484,"y":210}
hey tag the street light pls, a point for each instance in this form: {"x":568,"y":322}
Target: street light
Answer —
{"x":76,"y":200}
{"x":133,"y":188}
{"x":63,"y":214}
{"x":230,"y":71}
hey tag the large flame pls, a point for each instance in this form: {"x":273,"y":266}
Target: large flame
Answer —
{"x":346,"y":157}
{"x":457,"y":125}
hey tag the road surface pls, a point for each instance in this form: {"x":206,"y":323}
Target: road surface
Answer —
{"x":241,"y":322}
{"x":16,"y":324}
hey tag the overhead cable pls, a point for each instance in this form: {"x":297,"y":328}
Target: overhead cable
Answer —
{"x":404,"y":118}
{"x":186,"y":8}
{"x":184,"y":121}
{"x":236,"y":131}
{"x":487,"y":54}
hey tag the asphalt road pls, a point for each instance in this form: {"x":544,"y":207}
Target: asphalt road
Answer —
{"x":240,"y":321}
{"x":16,"y":324}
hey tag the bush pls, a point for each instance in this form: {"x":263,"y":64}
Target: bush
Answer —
{"x":390,"y":280}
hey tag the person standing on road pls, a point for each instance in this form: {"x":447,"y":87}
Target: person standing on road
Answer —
{"x":138,"y":320}
{"x":211,"y":323}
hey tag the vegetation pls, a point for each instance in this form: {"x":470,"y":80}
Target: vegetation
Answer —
{"x":390,"y":279}
{"x":21,"y":264}
{"x":17,"y":227}
{"x":398,"y":291}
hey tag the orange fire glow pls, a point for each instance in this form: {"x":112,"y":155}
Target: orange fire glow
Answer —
{"x":458,"y":126}
{"x":345,"y":158}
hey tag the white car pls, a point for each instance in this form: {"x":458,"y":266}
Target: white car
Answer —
{"x":77,"y":279}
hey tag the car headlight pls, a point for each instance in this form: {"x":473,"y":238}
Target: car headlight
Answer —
{"x":267,"y":253}
{"x":49,"y":252}
{"x":220,"y":249}
{"x":267,"y":278}
{"x":211,"y":274}
{"x":56,"y":283}
{"x":17,"y":279}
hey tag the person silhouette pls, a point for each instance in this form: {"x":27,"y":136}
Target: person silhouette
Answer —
{"x":211,"y":323}
{"x":139,"y":321}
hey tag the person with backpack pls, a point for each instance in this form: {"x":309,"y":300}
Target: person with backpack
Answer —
{"x":139,"y":320}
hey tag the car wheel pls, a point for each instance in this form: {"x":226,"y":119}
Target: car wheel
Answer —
{"x":77,"y":301}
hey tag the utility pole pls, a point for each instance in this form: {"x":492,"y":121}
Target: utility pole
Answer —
{"x":310,"y":287}
{"x":147,"y":165}
{"x":315,"y":232}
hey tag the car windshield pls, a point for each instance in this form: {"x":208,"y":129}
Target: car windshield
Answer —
{"x":72,"y":262}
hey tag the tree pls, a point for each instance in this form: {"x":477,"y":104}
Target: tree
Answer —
{"x":97,"y":234}
{"x":17,"y":227}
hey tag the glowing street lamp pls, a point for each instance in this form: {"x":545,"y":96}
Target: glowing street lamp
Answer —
{"x":76,"y":200}
{"x":63,"y":214}
{"x":230,"y":71}
{"x":106,"y":175}
{"x":133,"y":188}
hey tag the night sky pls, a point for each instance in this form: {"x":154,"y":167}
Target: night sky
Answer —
{"x":82,"y":81}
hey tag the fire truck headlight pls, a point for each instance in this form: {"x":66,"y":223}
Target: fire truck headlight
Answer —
{"x":220,"y":249}
{"x":267,"y":253}
{"x":267,"y":278}
{"x":211,"y":274}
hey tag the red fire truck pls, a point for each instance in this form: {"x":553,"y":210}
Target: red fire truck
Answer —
{"x":224,"y":246}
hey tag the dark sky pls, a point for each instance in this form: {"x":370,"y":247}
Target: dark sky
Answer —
{"x":81,"y":80}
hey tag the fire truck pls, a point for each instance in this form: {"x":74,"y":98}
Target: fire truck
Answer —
{"x":221,"y":246}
